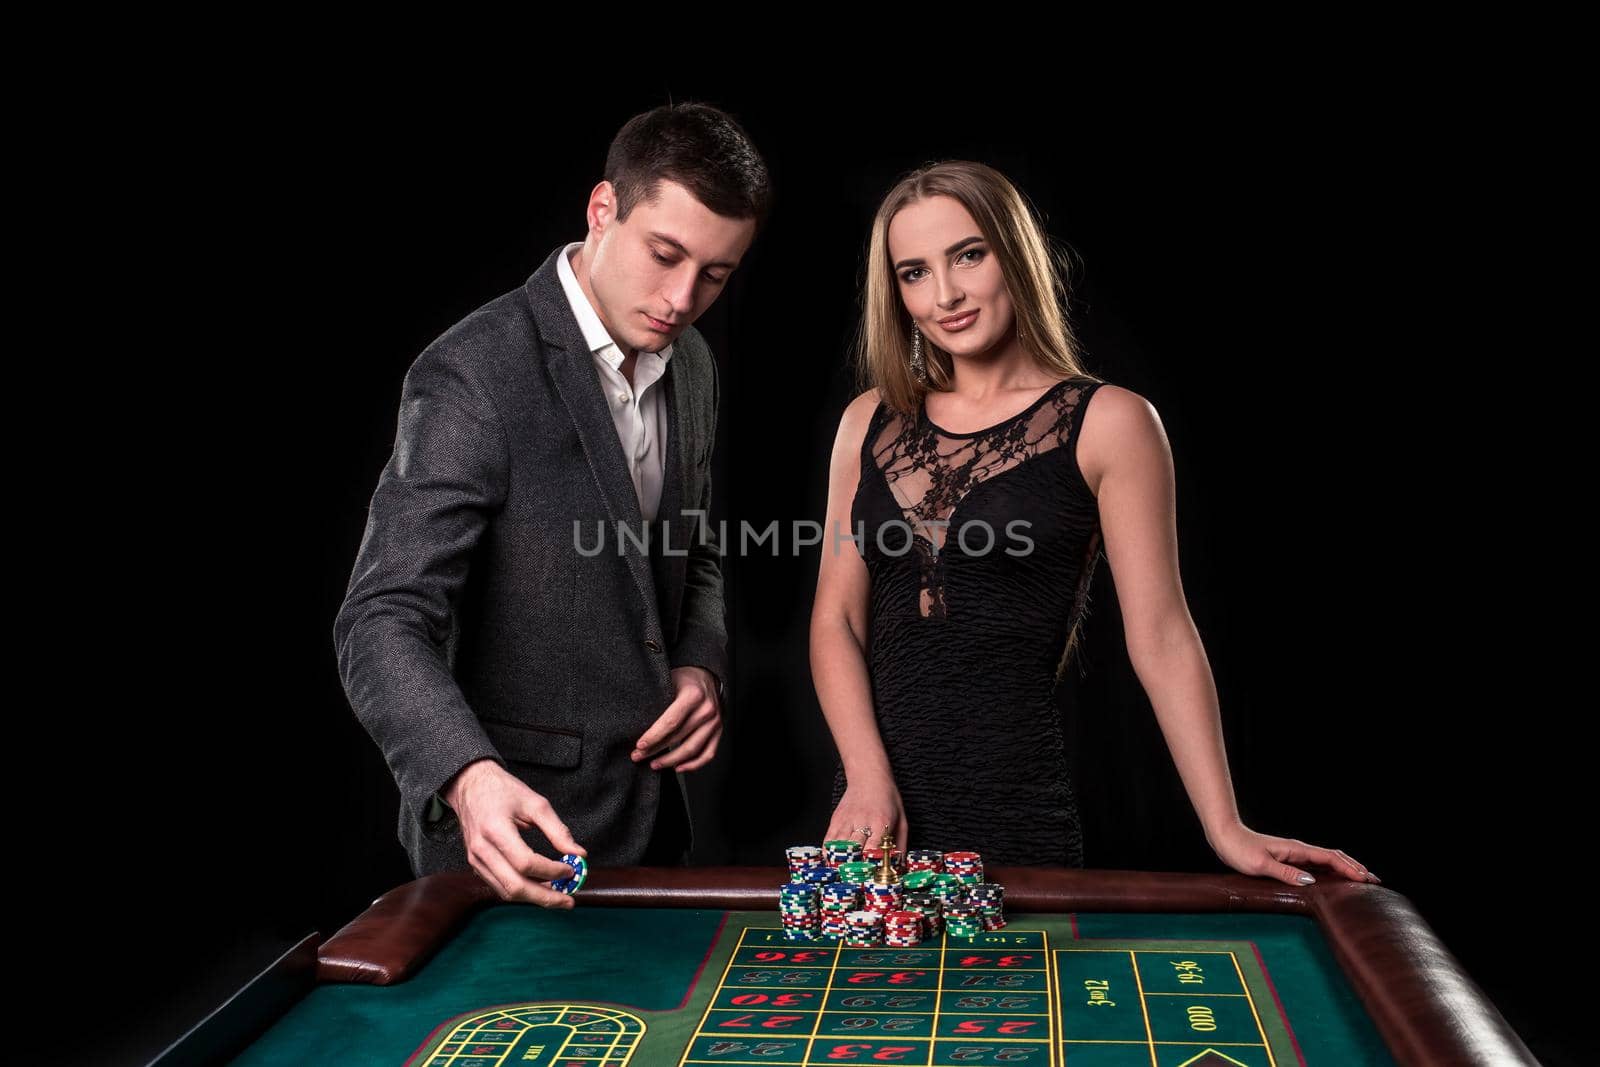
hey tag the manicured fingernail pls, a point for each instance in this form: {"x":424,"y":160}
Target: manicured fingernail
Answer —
{"x":1306,"y":879}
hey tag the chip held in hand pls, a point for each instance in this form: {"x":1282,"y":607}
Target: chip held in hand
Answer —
{"x":580,"y":872}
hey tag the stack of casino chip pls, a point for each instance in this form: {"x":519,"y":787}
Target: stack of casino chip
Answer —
{"x":901,"y":929}
{"x":925,"y":908}
{"x":839,"y":899}
{"x":817,"y":876}
{"x":856,"y":872}
{"x":961,"y":920}
{"x":874,"y":856}
{"x":967,"y":866}
{"x":881,"y":898}
{"x":925,"y":859}
{"x":989,"y":899}
{"x":864,"y":929}
{"x":802,"y":858}
{"x":797,"y":906}
{"x":947,"y":890}
{"x":835,"y":853}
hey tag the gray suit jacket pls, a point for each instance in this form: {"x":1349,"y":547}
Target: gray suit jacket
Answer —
{"x":473,"y":626}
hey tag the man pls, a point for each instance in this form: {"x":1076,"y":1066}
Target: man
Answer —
{"x":528,"y":691}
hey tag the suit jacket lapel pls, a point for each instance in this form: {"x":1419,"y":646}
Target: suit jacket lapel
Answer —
{"x":672,"y":478}
{"x":573,"y":371}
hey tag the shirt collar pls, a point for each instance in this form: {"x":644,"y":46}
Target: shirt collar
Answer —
{"x":594,"y":331}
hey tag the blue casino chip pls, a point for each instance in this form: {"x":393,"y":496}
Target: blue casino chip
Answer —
{"x":580,"y":873}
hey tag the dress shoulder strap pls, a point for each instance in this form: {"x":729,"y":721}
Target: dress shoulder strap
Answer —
{"x":875,"y":424}
{"x":1081,"y":394}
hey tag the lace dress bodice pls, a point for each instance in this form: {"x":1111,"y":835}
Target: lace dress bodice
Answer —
{"x":980,"y":548}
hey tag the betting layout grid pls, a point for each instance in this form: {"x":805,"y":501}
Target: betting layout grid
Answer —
{"x":837,"y":895}
{"x":782,"y":1002}
{"x":870,"y":991}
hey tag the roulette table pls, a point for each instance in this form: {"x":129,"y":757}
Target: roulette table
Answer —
{"x":690,"y":967}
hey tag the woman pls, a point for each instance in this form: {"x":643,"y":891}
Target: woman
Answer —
{"x":980,"y":484}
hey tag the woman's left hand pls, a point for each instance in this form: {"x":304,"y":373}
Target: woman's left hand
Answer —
{"x":1275,"y":857}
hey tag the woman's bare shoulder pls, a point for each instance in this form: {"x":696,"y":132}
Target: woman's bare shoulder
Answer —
{"x":857,"y":416}
{"x":1115,"y":405}
{"x":1119,"y":425}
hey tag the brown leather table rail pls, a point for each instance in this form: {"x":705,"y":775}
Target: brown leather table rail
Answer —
{"x":1423,"y":1003}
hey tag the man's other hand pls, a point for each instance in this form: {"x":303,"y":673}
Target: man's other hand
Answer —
{"x":685,"y":737}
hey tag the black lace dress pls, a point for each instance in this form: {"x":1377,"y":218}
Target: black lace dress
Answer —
{"x":971,"y":625}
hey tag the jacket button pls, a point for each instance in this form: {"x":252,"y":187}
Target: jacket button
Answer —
{"x":650,"y":643}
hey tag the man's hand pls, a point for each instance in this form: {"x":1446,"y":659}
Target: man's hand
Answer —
{"x":686,"y":735}
{"x":492,"y":805}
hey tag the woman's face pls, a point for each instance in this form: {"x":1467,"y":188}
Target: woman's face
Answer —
{"x":949,"y":277}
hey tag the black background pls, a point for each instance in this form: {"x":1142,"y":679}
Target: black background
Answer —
{"x":1297,"y":267}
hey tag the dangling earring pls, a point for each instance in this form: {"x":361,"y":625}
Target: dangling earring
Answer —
{"x":918,"y":367}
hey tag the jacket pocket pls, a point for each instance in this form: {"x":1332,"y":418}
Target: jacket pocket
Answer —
{"x":538,"y":745}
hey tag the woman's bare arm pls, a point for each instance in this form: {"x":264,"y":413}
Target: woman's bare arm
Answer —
{"x":839,"y":647}
{"x":1127,"y":462}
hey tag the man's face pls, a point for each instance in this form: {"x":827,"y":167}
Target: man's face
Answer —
{"x":656,"y":273}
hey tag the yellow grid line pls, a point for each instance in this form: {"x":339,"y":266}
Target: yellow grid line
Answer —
{"x":712,"y":1002}
{"x":1144,"y":1010}
{"x":1164,"y":1044}
{"x":1050,"y":1022}
{"x":1254,"y":1014}
{"x":817,"y":1026}
{"x":1058,"y":1005}
{"x":938,"y":993}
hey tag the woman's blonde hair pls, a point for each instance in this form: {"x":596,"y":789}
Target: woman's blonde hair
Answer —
{"x":1035,"y":273}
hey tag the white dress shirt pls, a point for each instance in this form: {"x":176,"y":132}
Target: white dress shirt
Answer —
{"x":639,"y":409}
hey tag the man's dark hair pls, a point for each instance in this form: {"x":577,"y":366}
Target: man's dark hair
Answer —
{"x":697,"y":146}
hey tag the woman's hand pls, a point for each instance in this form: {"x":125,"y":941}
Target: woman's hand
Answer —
{"x":1275,"y":857}
{"x":866,"y":810}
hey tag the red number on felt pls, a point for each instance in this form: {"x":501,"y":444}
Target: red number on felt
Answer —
{"x":782,"y":1000}
{"x":897,"y":978}
{"x":794,"y":957}
{"x":771,"y":1022}
{"x":1005,"y":961}
{"x":887,"y":1052}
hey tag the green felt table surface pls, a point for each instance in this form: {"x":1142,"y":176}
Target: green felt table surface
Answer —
{"x":604,"y":987}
